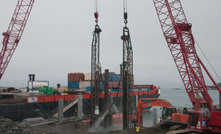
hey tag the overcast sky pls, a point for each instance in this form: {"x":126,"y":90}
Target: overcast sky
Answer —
{"x":57,"y":40}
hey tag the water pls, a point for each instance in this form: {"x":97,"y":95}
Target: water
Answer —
{"x":178,"y":98}
{"x":96,"y":127}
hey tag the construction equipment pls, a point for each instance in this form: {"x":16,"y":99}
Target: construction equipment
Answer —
{"x":152,"y":102}
{"x":14,"y":32}
{"x":96,"y":77}
{"x":127,"y":71}
{"x":178,"y":35}
{"x":170,"y":114}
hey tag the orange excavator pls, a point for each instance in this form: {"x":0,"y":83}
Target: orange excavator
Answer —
{"x":168,"y":110}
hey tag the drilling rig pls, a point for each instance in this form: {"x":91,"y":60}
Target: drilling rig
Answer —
{"x":127,"y":72}
{"x":96,"y":76}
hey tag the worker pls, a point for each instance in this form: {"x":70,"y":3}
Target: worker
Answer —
{"x":137,"y":129}
{"x":160,"y":120}
{"x":135,"y":126}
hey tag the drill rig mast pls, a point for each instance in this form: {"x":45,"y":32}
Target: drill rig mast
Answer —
{"x":14,"y":32}
{"x":96,"y":77}
{"x":127,"y":71}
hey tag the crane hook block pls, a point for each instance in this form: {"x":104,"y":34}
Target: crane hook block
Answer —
{"x":96,"y":15}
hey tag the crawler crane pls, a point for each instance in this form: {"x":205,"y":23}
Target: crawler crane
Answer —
{"x":14,"y":32}
{"x":178,"y":34}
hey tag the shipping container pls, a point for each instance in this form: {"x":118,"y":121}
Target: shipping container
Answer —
{"x":50,"y":91}
{"x":75,"y":77}
{"x":115,"y":77}
{"x":87,"y":76}
{"x":36,"y":84}
{"x":115,"y":90}
{"x":73,"y":84}
{"x":88,"y":89}
{"x":140,"y":86}
{"x":113,"y":84}
{"x":84,"y":84}
{"x":46,"y":90}
{"x":101,"y":85}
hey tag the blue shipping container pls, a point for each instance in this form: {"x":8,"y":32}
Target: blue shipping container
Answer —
{"x":88,"y":89}
{"x":114,"y":77}
{"x":73,"y":84}
{"x":115,"y":90}
{"x":101,"y":84}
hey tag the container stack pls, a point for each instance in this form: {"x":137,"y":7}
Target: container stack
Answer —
{"x":88,"y":88}
{"x":87,"y":81}
{"x":83,"y":81}
{"x":113,"y":80}
{"x":74,"y":79}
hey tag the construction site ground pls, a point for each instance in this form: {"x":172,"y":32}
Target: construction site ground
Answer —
{"x":72,"y":129}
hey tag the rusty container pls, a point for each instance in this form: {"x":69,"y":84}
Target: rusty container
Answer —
{"x":75,"y":77}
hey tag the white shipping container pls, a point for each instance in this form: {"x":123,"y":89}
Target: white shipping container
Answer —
{"x":37,"y":84}
{"x":84,"y":84}
{"x":87,"y":76}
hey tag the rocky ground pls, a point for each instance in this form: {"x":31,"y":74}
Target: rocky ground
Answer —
{"x":7,"y":126}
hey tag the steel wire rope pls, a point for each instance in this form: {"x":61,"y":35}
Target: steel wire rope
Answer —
{"x":208,"y":60}
{"x":125,"y":5}
{"x":95,"y":5}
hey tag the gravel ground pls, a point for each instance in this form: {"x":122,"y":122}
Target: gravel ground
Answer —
{"x":83,"y":129}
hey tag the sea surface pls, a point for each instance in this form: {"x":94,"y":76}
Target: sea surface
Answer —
{"x":178,"y":98}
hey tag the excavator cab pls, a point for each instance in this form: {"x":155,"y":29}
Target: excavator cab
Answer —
{"x":167,"y":112}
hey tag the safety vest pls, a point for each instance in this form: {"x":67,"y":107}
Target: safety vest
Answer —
{"x":159,"y":120}
{"x":137,"y":129}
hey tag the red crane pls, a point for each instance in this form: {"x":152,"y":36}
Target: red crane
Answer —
{"x":178,"y":34}
{"x":14,"y":32}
